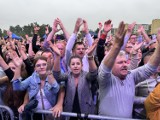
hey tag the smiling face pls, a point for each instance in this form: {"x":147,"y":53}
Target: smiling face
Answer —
{"x":79,"y":50}
{"x":41,"y":67}
{"x":75,"y":65}
{"x":120,"y":68}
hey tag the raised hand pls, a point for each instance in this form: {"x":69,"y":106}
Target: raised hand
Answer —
{"x":100,"y":26}
{"x":60,"y":23}
{"x":19,"y":46}
{"x":140,"y":29}
{"x":107,"y":26}
{"x":49,"y":63}
{"x":36,"y":29}
{"x":158,"y":36}
{"x":78,"y":24}
{"x":55,"y":24}
{"x":17,"y":61}
{"x":136,"y":47}
{"x":119,"y":36}
{"x":2,"y":42}
{"x":9,"y":33}
{"x":130,"y":27}
{"x":12,"y":54}
{"x":47,"y":30}
{"x":55,"y":49}
{"x":92,"y":48}
{"x":85,"y":27}
{"x":29,"y":40}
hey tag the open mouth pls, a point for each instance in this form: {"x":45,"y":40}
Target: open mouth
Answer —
{"x":124,"y":69}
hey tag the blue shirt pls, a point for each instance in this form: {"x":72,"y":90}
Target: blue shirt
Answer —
{"x":32,"y":84}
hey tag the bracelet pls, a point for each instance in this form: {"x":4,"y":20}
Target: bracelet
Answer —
{"x":90,"y":57}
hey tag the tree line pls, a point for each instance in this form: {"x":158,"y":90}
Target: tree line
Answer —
{"x":26,"y":29}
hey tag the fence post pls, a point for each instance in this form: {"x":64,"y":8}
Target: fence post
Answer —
{"x":11,"y":114}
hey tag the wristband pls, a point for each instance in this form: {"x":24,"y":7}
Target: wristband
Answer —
{"x":90,"y":57}
{"x":103,"y":36}
{"x":49,"y":73}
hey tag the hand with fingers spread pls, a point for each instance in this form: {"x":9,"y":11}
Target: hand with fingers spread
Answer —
{"x":78,"y":24}
{"x":17,"y":61}
{"x":12,"y":54}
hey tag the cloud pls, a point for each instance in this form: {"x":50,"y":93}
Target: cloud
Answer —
{"x":22,"y":12}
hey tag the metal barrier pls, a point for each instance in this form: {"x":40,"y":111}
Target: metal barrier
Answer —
{"x":7,"y":109}
{"x":64,"y":114}
{"x":97,"y":117}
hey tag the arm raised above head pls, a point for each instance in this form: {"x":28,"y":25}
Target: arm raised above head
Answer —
{"x":155,"y":59}
{"x":118,"y":42}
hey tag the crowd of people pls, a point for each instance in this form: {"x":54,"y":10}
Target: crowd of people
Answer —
{"x":104,"y":74}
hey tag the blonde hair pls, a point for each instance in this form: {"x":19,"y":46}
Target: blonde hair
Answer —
{"x":122,"y":53}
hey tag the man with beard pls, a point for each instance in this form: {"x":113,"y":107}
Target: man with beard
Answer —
{"x":116,"y":83}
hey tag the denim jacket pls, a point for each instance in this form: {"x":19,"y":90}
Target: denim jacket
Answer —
{"x":32,"y":84}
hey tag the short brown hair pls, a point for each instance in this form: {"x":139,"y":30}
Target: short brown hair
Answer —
{"x":39,"y":58}
{"x":72,"y":57}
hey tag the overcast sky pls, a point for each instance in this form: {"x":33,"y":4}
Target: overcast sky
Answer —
{"x":23,"y":12}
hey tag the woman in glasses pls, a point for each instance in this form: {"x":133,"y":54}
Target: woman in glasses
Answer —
{"x":41,"y":85}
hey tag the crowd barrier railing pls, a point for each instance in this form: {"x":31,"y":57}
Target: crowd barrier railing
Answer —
{"x":64,"y":114}
{"x":6,"y":109}
{"x":90,"y":116}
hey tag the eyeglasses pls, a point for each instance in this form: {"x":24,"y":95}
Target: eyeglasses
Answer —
{"x":129,"y":47}
{"x":39,"y":65}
